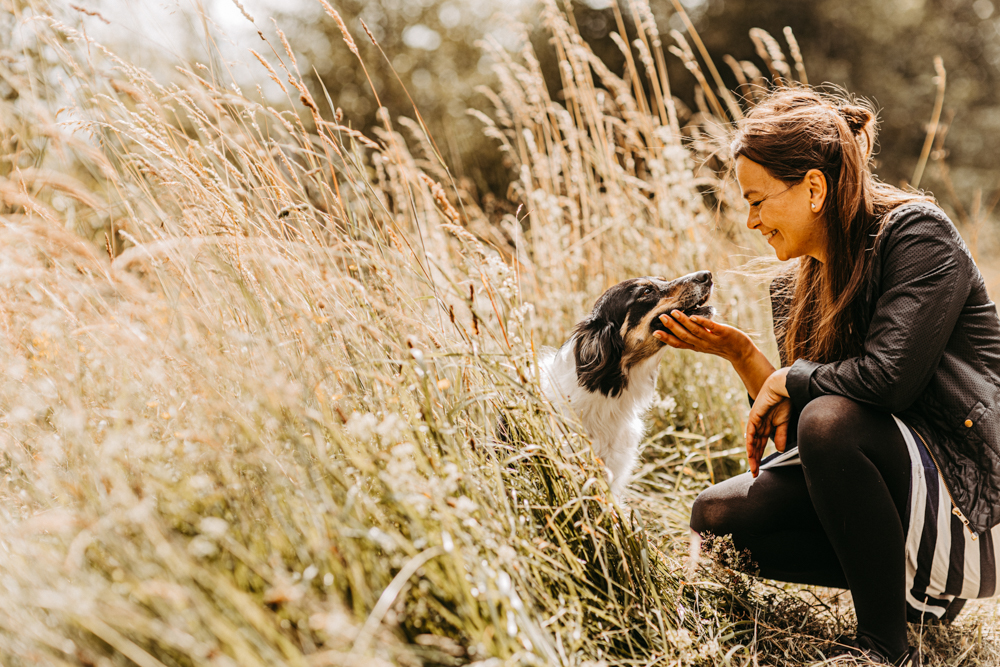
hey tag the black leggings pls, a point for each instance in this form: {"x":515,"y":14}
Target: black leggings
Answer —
{"x":835,"y":521}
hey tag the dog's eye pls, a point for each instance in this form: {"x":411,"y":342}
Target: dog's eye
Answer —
{"x":647,"y":290}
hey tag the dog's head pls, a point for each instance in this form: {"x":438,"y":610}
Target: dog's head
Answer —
{"x":618,"y":334}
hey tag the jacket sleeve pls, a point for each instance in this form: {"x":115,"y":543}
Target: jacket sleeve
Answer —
{"x":925,"y":282}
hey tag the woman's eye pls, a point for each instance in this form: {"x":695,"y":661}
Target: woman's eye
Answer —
{"x":755,"y":204}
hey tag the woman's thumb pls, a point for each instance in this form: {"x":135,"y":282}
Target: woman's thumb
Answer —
{"x":781,"y":436}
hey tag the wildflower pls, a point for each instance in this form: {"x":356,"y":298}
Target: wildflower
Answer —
{"x":213,"y":526}
{"x":518,"y":314}
{"x":500,"y":276}
{"x":392,"y":428}
{"x":464,"y":506}
{"x":665,"y":405}
{"x":199,"y":547}
{"x":201,"y":484}
{"x":507,"y":554}
{"x":382,"y":539}
{"x":709,"y":649}
{"x":361,"y":426}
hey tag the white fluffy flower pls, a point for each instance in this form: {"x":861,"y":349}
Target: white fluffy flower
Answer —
{"x":464,"y":506}
{"x":213,"y":526}
{"x":501,"y":276}
{"x":392,"y":428}
{"x":518,"y":314}
{"x":362,"y":426}
{"x":709,"y":649}
{"x":200,"y":547}
{"x":665,"y":405}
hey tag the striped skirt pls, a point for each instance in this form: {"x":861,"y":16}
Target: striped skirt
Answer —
{"x":943,"y":559}
{"x":945,"y":564}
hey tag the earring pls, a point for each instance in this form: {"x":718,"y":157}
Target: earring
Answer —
{"x":814,"y":207}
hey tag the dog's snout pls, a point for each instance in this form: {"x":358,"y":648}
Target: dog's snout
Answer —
{"x":702,"y":277}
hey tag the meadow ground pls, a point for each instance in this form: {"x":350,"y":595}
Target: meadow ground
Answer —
{"x":253,"y":360}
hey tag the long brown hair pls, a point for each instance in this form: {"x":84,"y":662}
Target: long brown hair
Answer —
{"x":790,"y":132}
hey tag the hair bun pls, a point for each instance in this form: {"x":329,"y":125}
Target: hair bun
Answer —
{"x":857,"y":117}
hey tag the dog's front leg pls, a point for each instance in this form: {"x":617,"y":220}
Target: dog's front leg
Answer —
{"x":618,"y":465}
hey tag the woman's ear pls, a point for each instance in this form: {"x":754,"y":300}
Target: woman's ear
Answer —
{"x":816,"y":182}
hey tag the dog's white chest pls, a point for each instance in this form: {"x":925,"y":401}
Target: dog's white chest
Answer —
{"x":614,"y":423}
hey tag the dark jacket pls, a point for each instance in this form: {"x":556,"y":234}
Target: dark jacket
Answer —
{"x":931,"y":355}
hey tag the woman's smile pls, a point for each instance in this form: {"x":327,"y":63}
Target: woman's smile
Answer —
{"x":789,"y":213}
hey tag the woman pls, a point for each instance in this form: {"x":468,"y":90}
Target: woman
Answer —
{"x":889,"y":385}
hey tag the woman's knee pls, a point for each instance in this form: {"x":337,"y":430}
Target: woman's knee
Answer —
{"x":715,"y":511}
{"x":703,"y":517}
{"x":825,"y":424}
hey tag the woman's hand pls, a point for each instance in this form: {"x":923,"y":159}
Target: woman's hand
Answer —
{"x":703,"y":335}
{"x":769,"y":417}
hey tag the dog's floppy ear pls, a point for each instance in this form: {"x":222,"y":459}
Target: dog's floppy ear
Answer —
{"x":598,"y":350}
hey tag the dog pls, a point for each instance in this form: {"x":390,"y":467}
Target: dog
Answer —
{"x":606,"y":372}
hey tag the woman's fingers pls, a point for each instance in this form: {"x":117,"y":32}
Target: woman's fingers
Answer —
{"x":699,"y":334}
{"x":684,"y":322}
{"x":760,"y":441}
{"x":760,"y":425}
{"x":672,"y":340}
{"x":684,"y":329}
{"x":708,"y":325}
{"x":757,"y":445}
{"x":781,"y":436}
{"x":751,"y":437}
{"x":675,"y":328}
{"x":768,"y":418}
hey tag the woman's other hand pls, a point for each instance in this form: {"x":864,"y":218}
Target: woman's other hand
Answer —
{"x":769,"y":417}
{"x":703,"y":335}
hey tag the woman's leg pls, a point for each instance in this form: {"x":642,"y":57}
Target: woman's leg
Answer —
{"x":773,"y":517}
{"x":836,"y":521}
{"x":857,"y":471}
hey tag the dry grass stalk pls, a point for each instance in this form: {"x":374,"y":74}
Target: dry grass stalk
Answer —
{"x":940,"y":81}
{"x":264,"y":433}
{"x":770,"y":52}
{"x":793,"y":48}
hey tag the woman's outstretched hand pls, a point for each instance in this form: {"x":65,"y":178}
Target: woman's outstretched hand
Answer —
{"x":772,"y":409}
{"x":702,"y":335}
{"x":769,"y":417}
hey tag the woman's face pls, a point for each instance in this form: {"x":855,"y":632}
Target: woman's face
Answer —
{"x":789,"y":217}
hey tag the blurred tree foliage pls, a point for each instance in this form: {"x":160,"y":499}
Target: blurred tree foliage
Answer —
{"x":432,"y":46}
{"x":883,"y":51}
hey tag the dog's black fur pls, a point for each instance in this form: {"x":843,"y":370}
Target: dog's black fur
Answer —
{"x":602,"y":354}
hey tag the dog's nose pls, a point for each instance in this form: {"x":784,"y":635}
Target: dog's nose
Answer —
{"x":702,"y":277}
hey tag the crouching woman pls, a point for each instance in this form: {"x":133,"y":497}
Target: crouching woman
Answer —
{"x":889,"y":384}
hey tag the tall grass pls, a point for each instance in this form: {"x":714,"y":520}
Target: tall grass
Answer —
{"x":254,"y":423}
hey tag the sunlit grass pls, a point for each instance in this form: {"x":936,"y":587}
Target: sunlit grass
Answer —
{"x":253,"y":362}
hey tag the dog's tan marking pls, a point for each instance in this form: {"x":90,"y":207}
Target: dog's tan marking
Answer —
{"x":639,"y":341}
